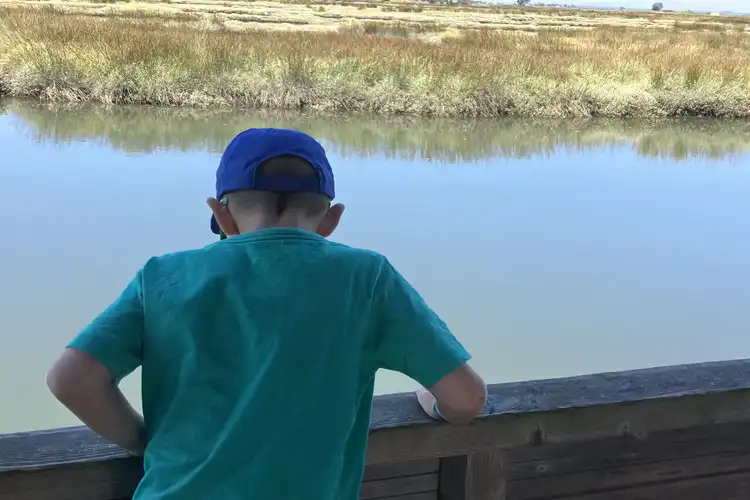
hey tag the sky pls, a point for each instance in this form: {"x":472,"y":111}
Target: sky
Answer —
{"x":704,"y":5}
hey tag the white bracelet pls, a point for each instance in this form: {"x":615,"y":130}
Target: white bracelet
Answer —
{"x":436,"y":412}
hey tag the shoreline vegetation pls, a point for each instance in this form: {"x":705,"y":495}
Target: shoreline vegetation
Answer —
{"x":386,"y":57}
{"x":146,"y":129}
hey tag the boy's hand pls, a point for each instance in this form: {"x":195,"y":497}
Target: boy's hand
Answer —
{"x":427,"y":402}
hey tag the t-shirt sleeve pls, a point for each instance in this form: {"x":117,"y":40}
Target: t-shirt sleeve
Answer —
{"x":115,"y":337}
{"x":410,"y":337}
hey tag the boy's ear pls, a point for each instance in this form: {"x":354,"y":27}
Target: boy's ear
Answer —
{"x":223,"y":217}
{"x":331,"y":220}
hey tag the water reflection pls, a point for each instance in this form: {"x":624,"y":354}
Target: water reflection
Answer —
{"x":146,"y":129}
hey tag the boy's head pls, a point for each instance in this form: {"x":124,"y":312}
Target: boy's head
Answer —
{"x":274,"y":178}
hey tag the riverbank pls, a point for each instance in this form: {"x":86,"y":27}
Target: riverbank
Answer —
{"x":165,"y":59}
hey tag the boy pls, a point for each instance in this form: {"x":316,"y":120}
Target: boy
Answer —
{"x":259,"y":351}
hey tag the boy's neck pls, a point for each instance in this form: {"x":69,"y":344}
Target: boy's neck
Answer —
{"x":262,"y":221}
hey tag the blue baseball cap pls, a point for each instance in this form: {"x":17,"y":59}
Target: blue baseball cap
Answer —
{"x":238,"y":168}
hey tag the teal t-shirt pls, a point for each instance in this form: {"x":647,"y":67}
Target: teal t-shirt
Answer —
{"x":258,"y":357}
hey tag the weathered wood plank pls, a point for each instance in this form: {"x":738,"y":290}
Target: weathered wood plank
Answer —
{"x":41,"y":449}
{"x":485,"y":475}
{"x":400,"y":469}
{"x":533,"y":462}
{"x":428,"y":495}
{"x":406,"y":485}
{"x":103,"y":481}
{"x":400,"y":410}
{"x":570,"y":425}
{"x":91,"y":481}
{"x":722,"y":487}
{"x":607,"y":479}
{"x":478,"y":476}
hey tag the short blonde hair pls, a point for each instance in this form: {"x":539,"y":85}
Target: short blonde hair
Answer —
{"x":310,"y":204}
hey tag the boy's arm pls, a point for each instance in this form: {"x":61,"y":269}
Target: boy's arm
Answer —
{"x":413,"y":340}
{"x":87,"y":389}
{"x":85,"y":377}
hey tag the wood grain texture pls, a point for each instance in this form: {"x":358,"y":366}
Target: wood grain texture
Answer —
{"x":534,"y":462}
{"x":565,"y":426}
{"x":485,"y":475}
{"x":428,"y":495}
{"x":401,"y":469}
{"x":722,"y":487}
{"x":43,"y":449}
{"x":407,"y":485}
{"x":627,"y":477}
{"x":478,"y":476}
{"x":86,"y":481}
{"x":550,"y":471}
{"x":400,"y":410}
{"x":414,"y":480}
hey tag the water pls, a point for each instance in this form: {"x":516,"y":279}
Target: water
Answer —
{"x":551,"y":248}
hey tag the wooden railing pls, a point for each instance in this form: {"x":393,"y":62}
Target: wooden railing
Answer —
{"x":675,"y":433}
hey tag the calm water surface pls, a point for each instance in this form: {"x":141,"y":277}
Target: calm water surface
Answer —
{"x":551,"y":248}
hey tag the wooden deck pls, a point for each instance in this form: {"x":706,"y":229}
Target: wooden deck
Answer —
{"x":674,"y":433}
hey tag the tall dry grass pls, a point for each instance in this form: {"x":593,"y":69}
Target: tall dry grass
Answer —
{"x":600,"y":72}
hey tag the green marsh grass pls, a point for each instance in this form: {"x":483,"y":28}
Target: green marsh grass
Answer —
{"x":603,"y":71}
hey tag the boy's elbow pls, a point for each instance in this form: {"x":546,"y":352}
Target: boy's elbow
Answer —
{"x":467,"y":410}
{"x":464,"y":407}
{"x":72,"y":377}
{"x":479,"y":401}
{"x":58,"y":385}
{"x":63,"y":385}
